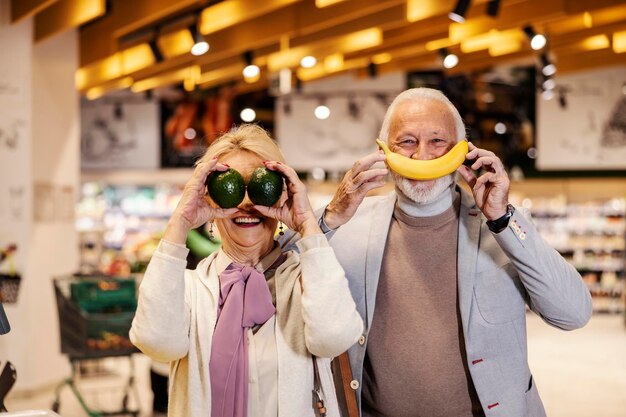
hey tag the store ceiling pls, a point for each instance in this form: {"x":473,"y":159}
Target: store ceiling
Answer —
{"x":118,"y":38}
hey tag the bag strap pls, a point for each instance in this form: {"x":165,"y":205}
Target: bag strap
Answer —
{"x":318,"y":401}
{"x":345,"y":371}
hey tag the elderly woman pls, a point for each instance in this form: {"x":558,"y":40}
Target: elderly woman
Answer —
{"x":249,"y":332}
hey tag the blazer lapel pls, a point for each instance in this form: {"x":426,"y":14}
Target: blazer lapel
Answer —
{"x":470,"y":220}
{"x":377,"y":239}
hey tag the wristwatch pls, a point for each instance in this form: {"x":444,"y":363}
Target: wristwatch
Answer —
{"x":501,"y":223}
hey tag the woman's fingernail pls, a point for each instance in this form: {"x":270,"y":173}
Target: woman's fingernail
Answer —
{"x":279,"y":163}
{"x":226,"y":165}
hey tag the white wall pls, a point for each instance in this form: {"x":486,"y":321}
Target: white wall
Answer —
{"x":37,"y":94}
{"x":56,"y":167}
{"x":16,"y":174}
{"x":573,"y":135}
{"x":336,"y":143}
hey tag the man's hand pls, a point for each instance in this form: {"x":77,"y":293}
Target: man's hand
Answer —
{"x":360,"y":179}
{"x":491,"y":190}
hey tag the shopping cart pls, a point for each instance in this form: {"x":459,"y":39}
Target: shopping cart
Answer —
{"x":95,"y":315}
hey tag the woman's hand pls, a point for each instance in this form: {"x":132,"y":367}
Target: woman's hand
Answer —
{"x":296,"y":212}
{"x":491,"y":190}
{"x":193,"y":209}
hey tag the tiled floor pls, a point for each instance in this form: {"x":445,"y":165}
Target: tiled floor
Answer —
{"x":579,"y":374}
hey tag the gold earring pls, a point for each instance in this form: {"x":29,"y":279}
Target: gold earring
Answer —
{"x":280,"y":228}
{"x":211,"y":237}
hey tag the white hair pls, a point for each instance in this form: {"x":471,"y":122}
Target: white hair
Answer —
{"x":426,"y":94}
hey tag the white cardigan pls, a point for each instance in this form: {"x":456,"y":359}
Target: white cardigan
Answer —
{"x":177,"y":312}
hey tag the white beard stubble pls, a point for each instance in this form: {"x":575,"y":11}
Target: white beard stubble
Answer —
{"x":419,"y":191}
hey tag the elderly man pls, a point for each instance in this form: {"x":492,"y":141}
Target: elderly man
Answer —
{"x":441,"y":277}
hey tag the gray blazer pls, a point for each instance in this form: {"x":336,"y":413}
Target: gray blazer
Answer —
{"x":497,"y":276}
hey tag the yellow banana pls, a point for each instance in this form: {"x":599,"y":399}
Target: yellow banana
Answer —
{"x":429,"y":169}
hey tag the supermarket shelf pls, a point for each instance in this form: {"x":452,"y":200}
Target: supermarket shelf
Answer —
{"x":138,"y":176}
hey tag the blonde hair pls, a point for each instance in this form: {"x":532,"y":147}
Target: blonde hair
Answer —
{"x":422,"y":93}
{"x":246,"y":137}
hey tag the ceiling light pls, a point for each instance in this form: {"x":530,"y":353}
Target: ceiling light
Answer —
{"x":537,"y":40}
{"x":247,"y":115}
{"x":547,"y":67}
{"x":458,"y":14}
{"x":493,"y":8}
{"x":549,"y":84}
{"x":322,"y":112}
{"x":200,"y":46}
{"x":500,"y":128}
{"x":449,"y":60}
{"x":250,"y":72}
{"x":549,"y":70}
{"x":308,"y":61}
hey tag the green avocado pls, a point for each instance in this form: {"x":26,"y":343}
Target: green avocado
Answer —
{"x":226,"y":188}
{"x":265,"y":187}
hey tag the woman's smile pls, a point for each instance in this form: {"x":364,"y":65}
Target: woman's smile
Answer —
{"x":247,"y":221}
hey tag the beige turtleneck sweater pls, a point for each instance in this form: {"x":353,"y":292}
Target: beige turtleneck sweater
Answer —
{"x":415,"y":358}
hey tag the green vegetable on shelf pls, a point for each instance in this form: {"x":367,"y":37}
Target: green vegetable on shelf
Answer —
{"x":200,"y":245}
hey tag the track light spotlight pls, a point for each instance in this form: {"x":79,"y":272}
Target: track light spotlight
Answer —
{"x":200,"y":46}
{"x":458,"y":14}
{"x":450,"y":60}
{"x":251,"y":72}
{"x":537,"y":40}
{"x":547,"y":67}
{"x":549,"y":84}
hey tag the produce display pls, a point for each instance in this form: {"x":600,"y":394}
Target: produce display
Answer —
{"x":201,"y":246}
{"x":429,"y":169}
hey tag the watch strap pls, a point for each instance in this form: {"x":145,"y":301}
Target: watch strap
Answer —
{"x":501,"y":223}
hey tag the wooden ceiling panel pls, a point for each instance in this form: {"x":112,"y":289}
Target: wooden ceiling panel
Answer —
{"x":23,"y":9}
{"x":412,"y":32}
{"x":100,"y":39}
{"x":66,"y":14}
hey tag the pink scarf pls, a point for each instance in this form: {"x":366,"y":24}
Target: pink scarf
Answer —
{"x":245,"y":301}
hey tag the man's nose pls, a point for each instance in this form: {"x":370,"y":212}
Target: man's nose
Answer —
{"x":421,"y":153}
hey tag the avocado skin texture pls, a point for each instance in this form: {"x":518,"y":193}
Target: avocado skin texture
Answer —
{"x":265,"y":187}
{"x":226,"y":188}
